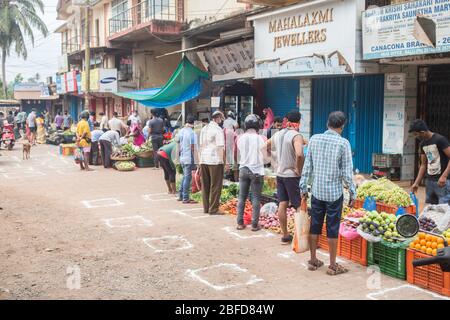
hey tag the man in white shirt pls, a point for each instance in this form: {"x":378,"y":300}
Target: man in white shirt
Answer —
{"x":116,"y":124}
{"x":107,"y":140}
{"x":103,"y":122}
{"x":230,"y":122}
{"x":135,"y":119}
{"x":251,"y":158}
{"x":212,"y":158}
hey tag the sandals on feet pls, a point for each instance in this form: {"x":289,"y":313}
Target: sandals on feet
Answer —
{"x":336,"y":270}
{"x":314,"y":265}
{"x":257,"y":228}
{"x":286,"y":240}
{"x":240,"y":227}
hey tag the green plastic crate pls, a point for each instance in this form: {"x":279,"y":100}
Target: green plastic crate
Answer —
{"x":391,"y":261}
{"x":144,"y":162}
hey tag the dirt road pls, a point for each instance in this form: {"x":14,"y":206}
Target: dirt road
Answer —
{"x":67,"y":234}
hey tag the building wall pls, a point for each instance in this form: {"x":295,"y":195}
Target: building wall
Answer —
{"x":305,"y":107}
{"x":211,"y":10}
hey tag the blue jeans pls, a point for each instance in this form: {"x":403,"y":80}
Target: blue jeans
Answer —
{"x":248,"y":179}
{"x":186,"y":182}
{"x":436,"y":194}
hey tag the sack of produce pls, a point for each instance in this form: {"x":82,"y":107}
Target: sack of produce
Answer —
{"x":300,"y":243}
{"x":268,"y":210}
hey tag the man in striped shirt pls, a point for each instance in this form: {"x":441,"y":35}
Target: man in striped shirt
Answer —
{"x":328,"y":168}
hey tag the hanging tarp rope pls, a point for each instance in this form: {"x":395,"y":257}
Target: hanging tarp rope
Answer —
{"x":184,"y":84}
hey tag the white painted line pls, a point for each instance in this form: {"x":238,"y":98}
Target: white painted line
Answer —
{"x":185,"y":244}
{"x":289,"y":255}
{"x":239,"y":236}
{"x":102,"y":203}
{"x":158,"y":197}
{"x":127,"y":222}
{"x":194,"y":275}
{"x":406,"y":286}
{"x":23,"y":175}
{"x":326,"y":254}
{"x":185,"y":214}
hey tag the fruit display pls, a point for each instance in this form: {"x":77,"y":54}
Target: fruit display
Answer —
{"x":273,"y":223}
{"x":230,"y":207}
{"x":427,"y":224}
{"x":381,"y":225}
{"x":385,"y":191}
{"x":446,"y":235}
{"x":125,"y":165}
{"x":229,"y":192}
{"x":427,"y":243}
{"x":353,"y":213}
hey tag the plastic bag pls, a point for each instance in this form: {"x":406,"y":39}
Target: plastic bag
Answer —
{"x":79,"y":157}
{"x":269,"y":210}
{"x":367,"y":236}
{"x":438,"y":213}
{"x":300,"y":243}
{"x":196,"y":181}
{"x":348,"y":233}
{"x":370,"y":204}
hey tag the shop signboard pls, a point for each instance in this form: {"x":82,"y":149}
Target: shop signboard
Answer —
{"x":314,"y":38}
{"x":63,"y":63}
{"x":411,"y":28}
{"x":71,"y":81}
{"x":59,"y":84}
{"x":107,"y":80}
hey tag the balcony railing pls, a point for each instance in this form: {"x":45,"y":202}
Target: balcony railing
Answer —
{"x":74,"y":45}
{"x":145,"y":11}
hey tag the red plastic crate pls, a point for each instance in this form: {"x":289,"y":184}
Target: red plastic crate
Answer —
{"x":353,"y":250}
{"x":429,"y":277}
{"x":382,"y":207}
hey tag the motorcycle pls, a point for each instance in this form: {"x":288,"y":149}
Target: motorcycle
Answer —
{"x":8,"y":139}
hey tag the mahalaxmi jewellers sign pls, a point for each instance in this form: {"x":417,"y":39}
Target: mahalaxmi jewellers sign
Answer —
{"x":310,"y":38}
{"x":412,"y":28}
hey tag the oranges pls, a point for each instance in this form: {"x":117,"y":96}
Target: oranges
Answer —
{"x":427,"y":243}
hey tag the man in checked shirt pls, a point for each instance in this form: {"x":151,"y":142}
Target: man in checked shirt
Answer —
{"x":328,"y":167}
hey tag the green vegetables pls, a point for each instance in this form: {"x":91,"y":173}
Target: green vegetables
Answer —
{"x":125,"y":165}
{"x":384,"y":191}
{"x":197,"y":196}
{"x":267,"y":190}
{"x":229,"y":192}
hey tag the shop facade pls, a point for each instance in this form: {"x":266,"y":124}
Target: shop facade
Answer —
{"x":418,"y":85}
{"x":308,"y":57}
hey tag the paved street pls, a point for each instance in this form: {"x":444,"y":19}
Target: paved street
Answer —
{"x":122,"y":237}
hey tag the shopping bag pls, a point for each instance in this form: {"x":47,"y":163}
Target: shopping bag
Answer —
{"x":196,"y":181}
{"x":78,"y":153}
{"x":300,"y":243}
{"x":415,"y":200}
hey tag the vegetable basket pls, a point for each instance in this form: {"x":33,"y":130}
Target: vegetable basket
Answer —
{"x":123,"y":159}
{"x":119,"y":168}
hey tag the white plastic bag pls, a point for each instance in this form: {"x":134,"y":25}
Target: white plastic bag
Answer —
{"x":438,"y":213}
{"x":300,"y":243}
{"x":268,"y":210}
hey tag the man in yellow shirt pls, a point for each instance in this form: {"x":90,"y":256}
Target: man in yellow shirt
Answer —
{"x":84,"y":140}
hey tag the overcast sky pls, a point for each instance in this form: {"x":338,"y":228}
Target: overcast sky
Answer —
{"x":43,"y":58}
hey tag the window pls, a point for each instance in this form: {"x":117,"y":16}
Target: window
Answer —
{"x":119,"y":15}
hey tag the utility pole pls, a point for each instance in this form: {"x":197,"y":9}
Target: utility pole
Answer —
{"x":87,"y":56}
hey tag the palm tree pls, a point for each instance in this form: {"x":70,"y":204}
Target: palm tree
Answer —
{"x":17,"y":20}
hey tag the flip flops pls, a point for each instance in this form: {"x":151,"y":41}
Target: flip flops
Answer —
{"x":314,"y":265}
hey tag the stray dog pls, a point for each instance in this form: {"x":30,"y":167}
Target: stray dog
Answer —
{"x":26,"y":150}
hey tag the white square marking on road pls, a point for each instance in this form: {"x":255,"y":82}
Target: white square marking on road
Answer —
{"x":326,"y":254}
{"x":128,"y":222}
{"x":289,"y":255}
{"x":239,"y":236}
{"x":102,"y":203}
{"x":185,"y":213}
{"x":168,"y":243}
{"x":223,"y":267}
{"x":374,"y":295}
{"x":155,"y":197}
{"x":23,"y":175}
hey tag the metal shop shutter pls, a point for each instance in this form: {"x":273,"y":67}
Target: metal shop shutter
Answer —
{"x":281,"y":95}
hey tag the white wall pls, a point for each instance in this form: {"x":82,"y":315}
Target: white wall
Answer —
{"x":212,"y":9}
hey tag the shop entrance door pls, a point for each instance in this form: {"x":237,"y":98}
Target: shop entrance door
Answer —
{"x":361,"y":99}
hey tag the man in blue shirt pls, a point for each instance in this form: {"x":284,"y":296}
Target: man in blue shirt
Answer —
{"x":187,"y":141}
{"x":328,"y":167}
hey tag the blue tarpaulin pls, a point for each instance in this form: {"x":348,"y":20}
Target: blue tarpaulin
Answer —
{"x":184,"y":84}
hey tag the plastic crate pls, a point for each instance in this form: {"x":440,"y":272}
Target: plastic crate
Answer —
{"x":353,"y":250}
{"x":381,"y":160}
{"x":382,"y":207}
{"x":391,"y":261}
{"x":390,"y":173}
{"x":429,"y":277}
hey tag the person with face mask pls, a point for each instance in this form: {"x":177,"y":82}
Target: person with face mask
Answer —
{"x":435,"y":164}
{"x":212,"y":159}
